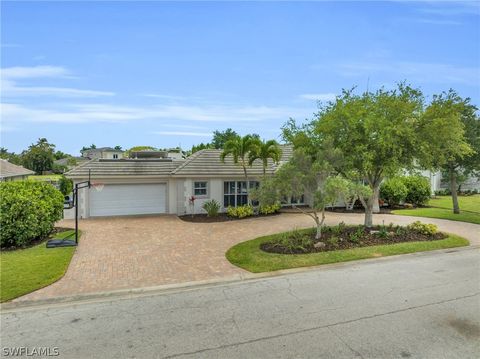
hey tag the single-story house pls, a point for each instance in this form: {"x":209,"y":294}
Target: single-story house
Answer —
{"x":165,"y":185}
{"x":11,"y":172}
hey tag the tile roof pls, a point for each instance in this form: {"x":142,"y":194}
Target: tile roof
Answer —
{"x":204,"y":163}
{"x":100,"y":168}
{"x":207,"y":163}
{"x":8,"y":169}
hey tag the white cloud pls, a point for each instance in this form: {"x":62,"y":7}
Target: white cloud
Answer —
{"x":437,"y":22}
{"x":11,"y":75}
{"x":318,"y":96}
{"x":20,"y":72}
{"x":413,"y":71}
{"x":172,"y":115}
{"x":10,"y":89}
{"x":183,"y":133}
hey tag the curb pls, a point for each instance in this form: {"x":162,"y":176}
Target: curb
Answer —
{"x":203,"y":284}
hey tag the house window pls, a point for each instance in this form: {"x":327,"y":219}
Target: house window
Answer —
{"x":200,"y":188}
{"x":115,"y":156}
{"x":235,"y":192}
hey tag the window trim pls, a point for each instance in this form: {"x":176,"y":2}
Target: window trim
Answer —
{"x":236,"y":194}
{"x":207,"y":189}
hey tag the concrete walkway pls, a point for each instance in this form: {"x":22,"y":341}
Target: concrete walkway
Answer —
{"x":125,"y":253}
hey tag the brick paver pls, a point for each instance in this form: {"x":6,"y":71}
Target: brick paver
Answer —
{"x":135,"y":252}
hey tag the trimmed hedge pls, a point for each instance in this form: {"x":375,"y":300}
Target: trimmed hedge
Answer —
{"x":419,"y":190}
{"x":28,"y":211}
{"x":394,"y":191}
{"x":409,"y":189}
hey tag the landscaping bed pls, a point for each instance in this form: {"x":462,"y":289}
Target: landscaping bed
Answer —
{"x":345,"y":237}
{"x":250,"y":256}
{"x":221,"y":217}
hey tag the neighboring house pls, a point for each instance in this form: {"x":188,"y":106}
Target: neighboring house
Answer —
{"x":11,"y":172}
{"x":437,"y":182}
{"x":149,"y":185}
{"x":102,"y":152}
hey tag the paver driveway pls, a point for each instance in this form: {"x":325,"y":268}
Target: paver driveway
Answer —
{"x":134,"y":252}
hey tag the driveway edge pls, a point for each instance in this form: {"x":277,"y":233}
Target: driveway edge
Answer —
{"x":187,"y":286}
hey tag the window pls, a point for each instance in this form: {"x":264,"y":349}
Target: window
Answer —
{"x":200,"y":188}
{"x":115,"y":156}
{"x":235,"y":192}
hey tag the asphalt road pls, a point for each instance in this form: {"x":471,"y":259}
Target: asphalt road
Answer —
{"x":419,"y":306}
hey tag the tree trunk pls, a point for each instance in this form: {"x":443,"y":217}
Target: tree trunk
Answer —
{"x":376,"y":195}
{"x":453,"y":188}
{"x":319,"y":223}
{"x":249,"y":202}
{"x":369,"y":213}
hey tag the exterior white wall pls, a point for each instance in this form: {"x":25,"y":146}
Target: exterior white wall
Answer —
{"x":214,"y":191}
{"x":109,"y":155}
{"x":175,"y":155}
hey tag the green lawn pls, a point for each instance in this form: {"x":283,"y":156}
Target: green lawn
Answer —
{"x":249,"y":256}
{"x":441,"y":207}
{"x":24,"y":270}
{"x":45,"y":177}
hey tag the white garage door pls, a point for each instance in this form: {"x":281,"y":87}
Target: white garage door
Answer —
{"x":122,"y":199}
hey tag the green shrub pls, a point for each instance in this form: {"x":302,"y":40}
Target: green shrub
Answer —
{"x":269,"y":209}
{"x":240,"y":211}
{"x":294,"y":242}
{"x":419,"y":190}
{"x":427,"y":229}
{"x":65,"y":185}
{"x":355,"y":237}
{"x":393,"y":191}
{"x":212,"y":208}
{"x":28,"y":211}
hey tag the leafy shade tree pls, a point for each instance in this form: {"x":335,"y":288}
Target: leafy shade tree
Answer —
{"x":312,"y":175}
{"x":201,"y":146}
{"x":91,"y":147}
{"x":119,"y":148}
{"x":40,"y":156}
{"x":65,"y":185}
{"x":220,"y":138}
{"x":263,"y":151}
{"x":376,"y":133}
{"x":59,"y":155}
{"x":138,"y":148}
{"x":451,"y":129}
{"x":239,"y":148}
{"x":11,"y":157}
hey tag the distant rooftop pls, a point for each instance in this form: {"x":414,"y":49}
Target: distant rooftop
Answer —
{"x":8,"y":170}
{"x":110,"y":149}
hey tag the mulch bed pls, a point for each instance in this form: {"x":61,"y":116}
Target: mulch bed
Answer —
{"x":222,"y":217}
{"x":383,"y":210}
{"x":343,"y":239}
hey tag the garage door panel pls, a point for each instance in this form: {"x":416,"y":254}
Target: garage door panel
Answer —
{"x":116,"y":200}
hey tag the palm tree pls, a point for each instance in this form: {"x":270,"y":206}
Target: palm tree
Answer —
{"x":239,"y":148}
{"x":263,"y":150}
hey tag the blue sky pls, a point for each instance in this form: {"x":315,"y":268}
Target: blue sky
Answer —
{"x":168,"y":74}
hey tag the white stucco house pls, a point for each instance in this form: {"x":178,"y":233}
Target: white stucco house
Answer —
{"x":165,"y":185}
{"x":103,"y":153}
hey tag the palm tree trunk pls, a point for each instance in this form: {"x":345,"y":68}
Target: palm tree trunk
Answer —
{"x":249,"y":202}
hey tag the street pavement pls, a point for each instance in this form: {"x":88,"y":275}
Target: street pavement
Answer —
{"x":425,"y":305}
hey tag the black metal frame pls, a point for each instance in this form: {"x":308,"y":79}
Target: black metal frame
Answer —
{"x":68,"y":243}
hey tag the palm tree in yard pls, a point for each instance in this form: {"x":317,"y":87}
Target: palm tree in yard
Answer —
{"x":239,"y":148}
{"x":264,"y":150}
